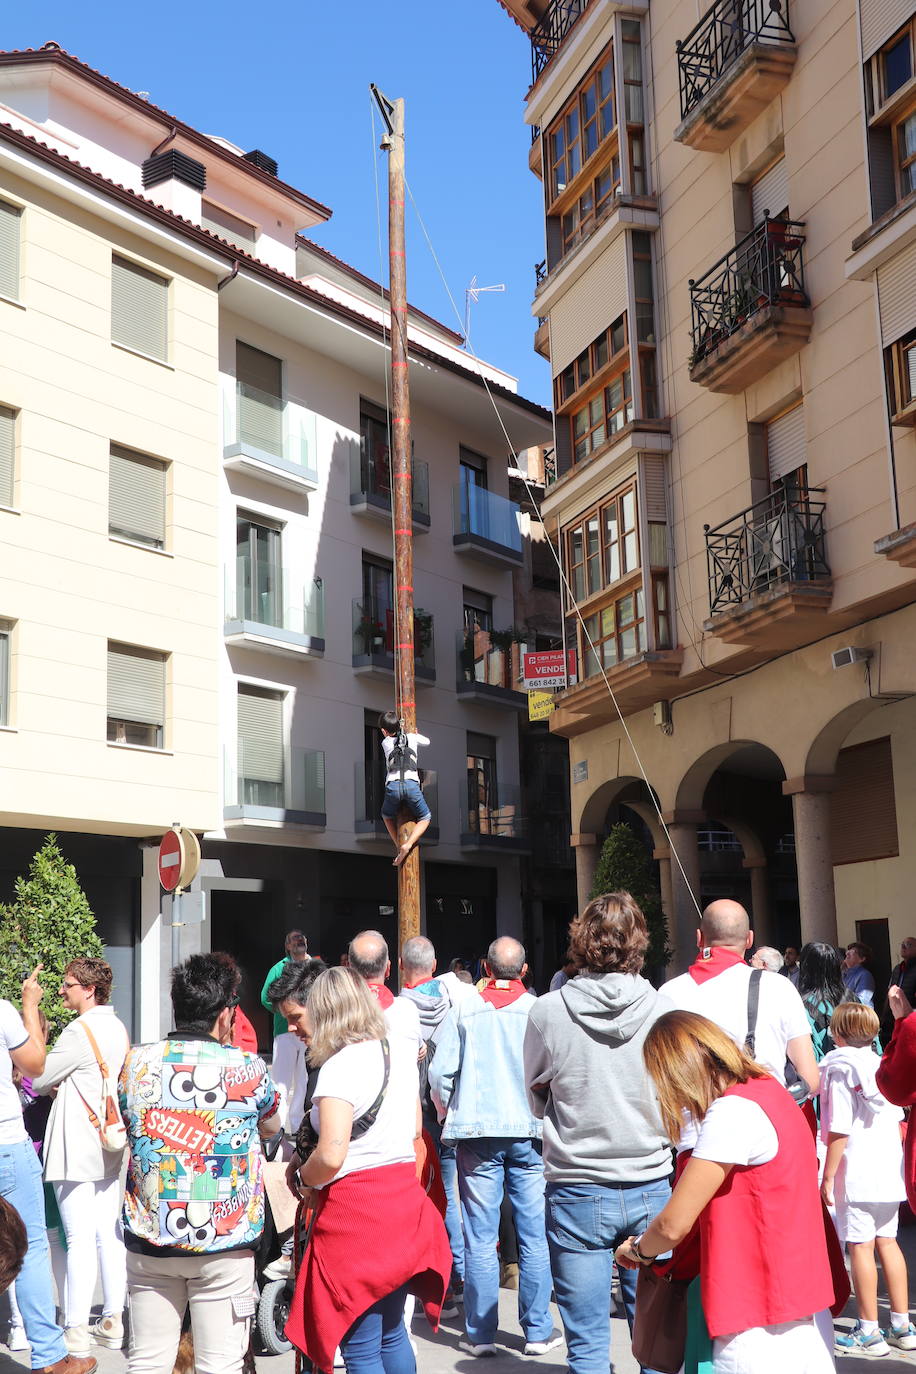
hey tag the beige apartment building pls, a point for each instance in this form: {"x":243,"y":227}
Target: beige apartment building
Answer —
{"x":728,"y":304}
{"x":196,"y":609}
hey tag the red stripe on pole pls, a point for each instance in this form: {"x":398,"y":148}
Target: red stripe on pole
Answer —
{"x":403,"y":531}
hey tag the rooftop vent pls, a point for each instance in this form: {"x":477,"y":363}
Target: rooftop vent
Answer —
{"x":259,"y":159}
{"x":173,"y":165}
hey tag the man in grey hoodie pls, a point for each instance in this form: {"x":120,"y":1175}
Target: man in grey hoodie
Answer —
{"x":607,"y":1160}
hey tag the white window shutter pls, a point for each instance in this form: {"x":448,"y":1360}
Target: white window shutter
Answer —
{"x":260,"y":727}
{"x":10,"y":224}
{"x":136,"y":497}
{"x":4,"y":672}
{"x":7,"y":454}
{"x":770,"y":192}
{"x":139,"y":309}
{"x":260,"y":387}
{"x":136,"y":685}
{"x":786,"y":443}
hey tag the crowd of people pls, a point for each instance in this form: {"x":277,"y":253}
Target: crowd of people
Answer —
{"x":715,"y":1141}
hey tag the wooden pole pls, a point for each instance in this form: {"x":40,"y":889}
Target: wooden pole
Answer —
{"x":402,"y":498}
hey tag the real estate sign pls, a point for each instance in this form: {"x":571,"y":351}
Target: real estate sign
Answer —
{"x":550,"y":668}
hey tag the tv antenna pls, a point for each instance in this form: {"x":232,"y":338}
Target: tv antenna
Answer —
{"x":472,"y":293}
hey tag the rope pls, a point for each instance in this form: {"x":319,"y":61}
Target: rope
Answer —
{"x":563,"y":578}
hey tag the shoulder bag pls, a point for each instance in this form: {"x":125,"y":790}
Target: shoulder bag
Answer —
{"x":307,"y":1136}
{"x":108,"y":1121}
{"x":796,"y":1086}
{"x":660,"y":1322}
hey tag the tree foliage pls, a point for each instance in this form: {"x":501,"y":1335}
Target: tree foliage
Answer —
{"x":49,"y":922}
{"x":625,"y":866}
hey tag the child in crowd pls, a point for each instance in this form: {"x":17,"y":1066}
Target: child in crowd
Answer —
{"x":863,"y":1173}
{"x":402,"y":783}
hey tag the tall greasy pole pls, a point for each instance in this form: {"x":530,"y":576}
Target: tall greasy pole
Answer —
{"x":402,"y":481}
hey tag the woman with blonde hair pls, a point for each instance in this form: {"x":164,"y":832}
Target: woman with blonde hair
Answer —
{"x":752,"y":1185}
{"x":376,"y":1235}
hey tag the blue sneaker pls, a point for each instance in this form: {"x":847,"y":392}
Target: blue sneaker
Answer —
{"x":903,"y":1337}
{"x":856,"y":1341}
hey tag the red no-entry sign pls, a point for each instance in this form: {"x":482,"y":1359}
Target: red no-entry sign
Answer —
{"x":179,"y":858}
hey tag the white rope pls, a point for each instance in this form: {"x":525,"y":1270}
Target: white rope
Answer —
{"x":563,"y":578}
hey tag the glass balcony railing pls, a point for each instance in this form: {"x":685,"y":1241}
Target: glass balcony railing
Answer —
{"x":264,"y":782}
{"x":482,"y":520}
{"x":374,"y":637}
{"x":370,"y":483}
{"x":262,"y":594}
{"x":498,"y":816}
{"x":486,"y":659}
{"x":280,"y":436}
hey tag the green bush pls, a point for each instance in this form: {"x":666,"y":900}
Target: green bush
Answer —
{"x":49,"y":922}
{"x":624,"y":866}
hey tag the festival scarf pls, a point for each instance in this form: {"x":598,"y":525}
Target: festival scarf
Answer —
{"x":384,"y":997}
{"x":502,"y":992}
{"x":719,"y":960}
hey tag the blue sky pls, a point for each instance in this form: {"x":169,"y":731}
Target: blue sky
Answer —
{"x":293,"y":80}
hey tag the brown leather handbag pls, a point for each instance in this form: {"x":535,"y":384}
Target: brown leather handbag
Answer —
{"x":660,"y":1324}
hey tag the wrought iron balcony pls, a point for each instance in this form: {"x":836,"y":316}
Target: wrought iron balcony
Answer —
{"x":777,"y":542}
{"x":548,"y":35}
{"x":757,"y":293}
{"x":540,"y":274}
{"x":726,"y":31}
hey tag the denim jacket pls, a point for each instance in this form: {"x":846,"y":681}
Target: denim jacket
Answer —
{"x":476,"y":1075}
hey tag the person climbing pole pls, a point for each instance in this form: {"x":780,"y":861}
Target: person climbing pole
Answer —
{"x":402,"y":782}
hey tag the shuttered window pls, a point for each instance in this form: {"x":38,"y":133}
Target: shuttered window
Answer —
{"x":7,"y":454}
{"x":863,"y":812}
{"x":897,"y":295}
{"x":260,"y":725}
{"x":136,"y":497}
{"x":786,"y":443}
{"x":770,"y":192}
{"x":10,"y":225}
{"x":139,"y":309}
{"x":225,"y":224}
{"x":5,"y":632}
{"x":260,"y":399}
{"x":136,"y":695}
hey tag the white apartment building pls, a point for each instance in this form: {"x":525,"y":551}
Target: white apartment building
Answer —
{"x":196,"y":568}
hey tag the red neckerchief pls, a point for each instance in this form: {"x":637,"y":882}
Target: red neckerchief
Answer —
{"x":502,"y":992}
{"x":384,"y":996}
{"x":719,"y":960}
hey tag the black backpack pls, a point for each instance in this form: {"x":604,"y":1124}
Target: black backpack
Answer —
{"x":402,"y":757}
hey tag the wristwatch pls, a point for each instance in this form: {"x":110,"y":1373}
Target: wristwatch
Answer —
{"x":643,"y":1259}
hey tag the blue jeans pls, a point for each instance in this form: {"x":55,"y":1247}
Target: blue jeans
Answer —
{"x":448,"y":1165}
{"x":20,"y":1184}
{"x":585,"y":1224}
{"x":407,"y":794}
{"x":377,"y":1342}
{"x":484,"y":1168}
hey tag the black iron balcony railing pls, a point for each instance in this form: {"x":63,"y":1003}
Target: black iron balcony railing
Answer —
{"x":548,"y":35}
{"x":719,"y":39}
{"x":766,"y":268}
{"x":540,"y":273}
{"x":778,"y":539}
{"x":535,"y":132}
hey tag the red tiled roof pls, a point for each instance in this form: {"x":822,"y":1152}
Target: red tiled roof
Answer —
{"x":53,"y":52}
{"x":235,"y":255}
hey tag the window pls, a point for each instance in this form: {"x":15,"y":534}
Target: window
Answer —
{"x":905,"y":151}
{"x":139,"y":309}
{"x":225,"y":224}
{"x":478,"y":610}
{"x":259,"y":378}
{"x":136,"y":696}
{"x":590,"y":208}
{"x":595,"y":393}
{"x":578,"y":132}
{"x":373,"y":766}
{"x":261,"y":762}
{"x":375,"y":452}
{"x":633,"y":96}
{"x":786,"y":451}
{"x":7,"y":454}
{"x":10,"y":226}
{"x":891,"y":105}
{"x":894,"y":65}
{"x":645,"y":321}
{"x":482,"y":786}
{"x":900,"y":362}
{"x":863,"y":810}
{"x":603,"y":546}
{"x":259,"y":572}
{"x":6,"y":631}
{"x":616,"y":632}
{"x":136,"y":498}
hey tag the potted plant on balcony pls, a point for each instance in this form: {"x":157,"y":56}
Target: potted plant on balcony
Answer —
{"x":466,"y":657}
{"x":422,"y":632}
{"x":372,"y":633}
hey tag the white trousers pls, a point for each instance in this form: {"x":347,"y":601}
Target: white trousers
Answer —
{"x":796,"y":1347}
{"x":91,"y":1216}
{"x":219,"y":1291}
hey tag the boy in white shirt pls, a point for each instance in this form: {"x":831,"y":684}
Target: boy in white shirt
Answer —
{"x":402,"y":782}
{"x":863,"y":1173}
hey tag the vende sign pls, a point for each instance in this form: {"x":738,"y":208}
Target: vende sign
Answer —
{"x":552,"y":668}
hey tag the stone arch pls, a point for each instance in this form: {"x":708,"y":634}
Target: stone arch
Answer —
{"x":615,"y":790}
{"x":827,"y":743}
{"x":692,"y":787}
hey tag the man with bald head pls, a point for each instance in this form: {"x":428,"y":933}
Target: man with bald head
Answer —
{"x":368,"y":958}
{"x":716,"y":986}
{"x":477,"y":1080}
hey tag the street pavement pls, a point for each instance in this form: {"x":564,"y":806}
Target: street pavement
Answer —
{"x":439,"y":1354}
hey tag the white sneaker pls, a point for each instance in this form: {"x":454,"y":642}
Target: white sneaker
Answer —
{"x":542,"y":1347}
{"x":280,"y":1268}
{"x":16,"y":1340}
{"x":903,"y":1337}
{"x":109,"y":1332}
{"x":477,"y":1350}
{"x":76,"y":1339}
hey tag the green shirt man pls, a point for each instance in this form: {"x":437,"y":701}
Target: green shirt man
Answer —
{"x":296,"y":952}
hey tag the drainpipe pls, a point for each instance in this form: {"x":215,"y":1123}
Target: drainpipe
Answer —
{"x":173,"y":134}
{"x":888,"y":427}
{"x":224,"y":281}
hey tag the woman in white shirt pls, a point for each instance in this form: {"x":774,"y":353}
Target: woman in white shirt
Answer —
{"x":376,"y":1235}
{"x":86,"y":1178}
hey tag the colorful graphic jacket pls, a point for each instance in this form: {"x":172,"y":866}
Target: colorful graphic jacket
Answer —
{"x":192,"y":1109}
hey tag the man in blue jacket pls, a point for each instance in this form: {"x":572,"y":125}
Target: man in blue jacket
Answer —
{"x":477,"y":1083}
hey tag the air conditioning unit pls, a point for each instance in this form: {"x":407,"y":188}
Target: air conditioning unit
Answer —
{"x":842,"y":658}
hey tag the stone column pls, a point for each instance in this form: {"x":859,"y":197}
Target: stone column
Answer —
{"x":685,"y":886}
{"x":760,"y":900}
{"x":663,"y":856}
{"x":813,"y":858}
{"x":587,"y":851}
